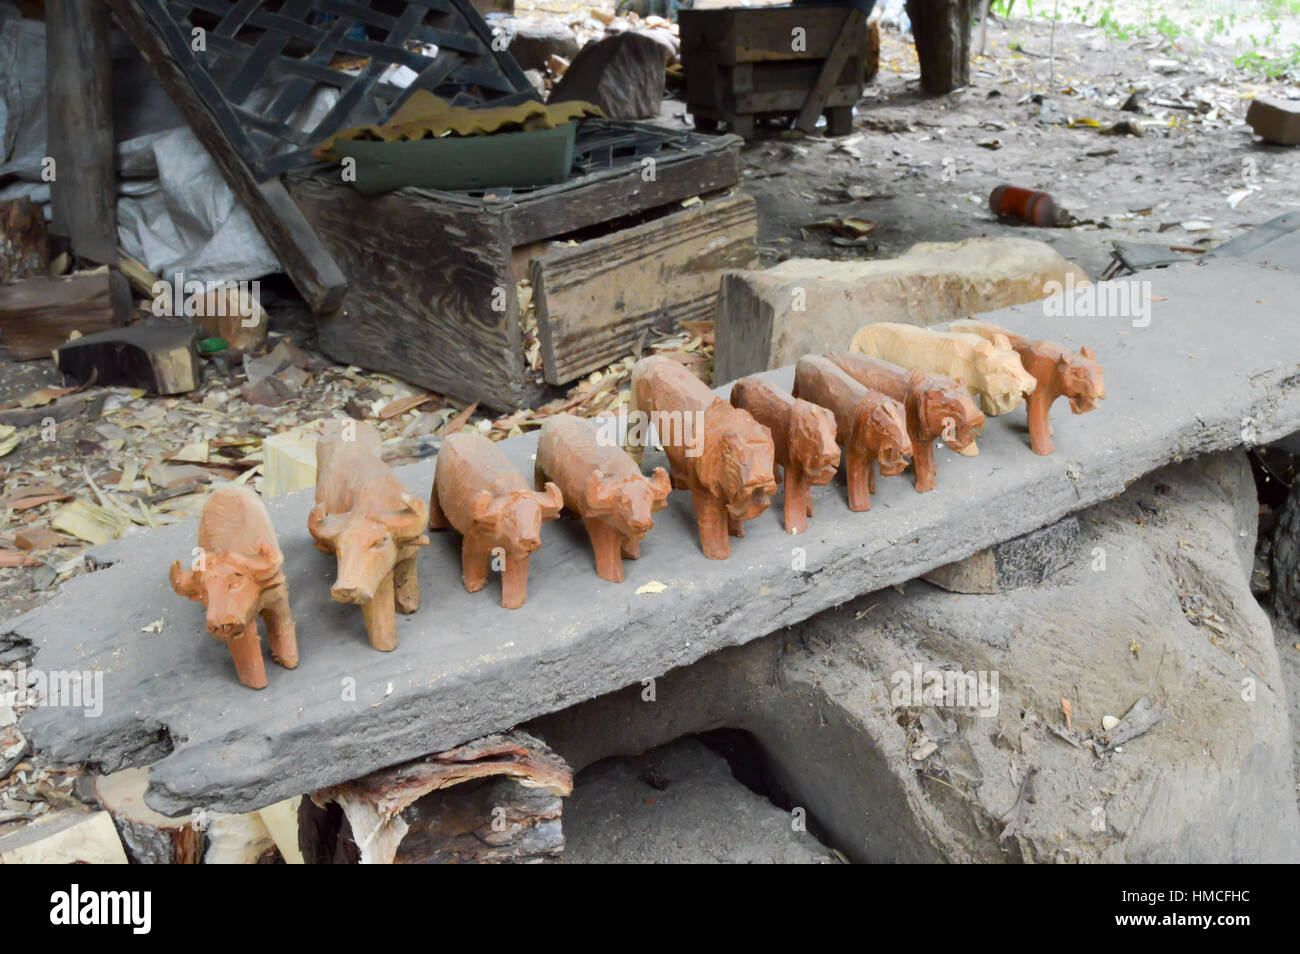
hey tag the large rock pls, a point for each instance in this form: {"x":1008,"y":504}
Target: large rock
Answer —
{"x":769,"y":318}
{"x":679,"y":804}
{"x":622,"y":74}
{"x":1157,"y":608}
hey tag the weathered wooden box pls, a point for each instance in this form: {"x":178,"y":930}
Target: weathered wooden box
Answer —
{"x":611,"y":255}
{"x":745,"y":63}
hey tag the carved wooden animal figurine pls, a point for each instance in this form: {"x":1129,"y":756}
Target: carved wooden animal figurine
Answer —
{"x":237,"y":578}
{"x":870,"y":426}
{"x":803,"y":440}
{"x":718,"y":452}
{"x":365,"y":516}
{"x":994,"y":373}
{"x":604,"y":486}
{"x":937,"y":406}
{"x":480,"y":493}
{"x":1059,"y":373}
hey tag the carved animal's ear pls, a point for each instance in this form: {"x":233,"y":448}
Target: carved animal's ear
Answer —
{"x":412,"y":518}
{"x":480,"y":505}
{"x":318,"y":526}
{"x":1088,"y":353}
{"x":184,"y":582}
{"x":551,"y":501}
{"x":264,"y":564}
{"x":1000,"y":340}
{"x":660,"y":483}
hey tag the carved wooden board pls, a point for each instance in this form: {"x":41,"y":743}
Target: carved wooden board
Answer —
{"x":595,"y":300}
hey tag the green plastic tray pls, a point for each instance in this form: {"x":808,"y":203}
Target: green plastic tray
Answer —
{"x":517,"y":160}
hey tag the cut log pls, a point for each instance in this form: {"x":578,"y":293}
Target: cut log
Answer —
{"x":150,"y":838}
{"x":942,"y":32}
{"x":38,"y":314}
{"x":494,"y":800}
{"x":162,"y":358}
{"x":67,"y":838}
{"x":24,"y":249}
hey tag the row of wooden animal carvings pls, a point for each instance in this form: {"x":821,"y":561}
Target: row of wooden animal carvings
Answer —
{"x":859,"y":404}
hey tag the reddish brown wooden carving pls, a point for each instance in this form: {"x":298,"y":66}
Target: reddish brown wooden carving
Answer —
{"x":603,"y":485}
{"x":938,"y":406}
{"x":803,"y":441}
{"x":717,"y":452}
{"x":365,"y":516}
{"x":480,"y":493}
{"x":237,"y":577}
{"x":1059,"y":373}
{"x":869,"y":425}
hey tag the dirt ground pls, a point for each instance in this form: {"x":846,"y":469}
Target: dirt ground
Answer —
{"x":920,"y":168}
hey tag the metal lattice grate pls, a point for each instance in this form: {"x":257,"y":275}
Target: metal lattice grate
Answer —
{"x":260,"y":65}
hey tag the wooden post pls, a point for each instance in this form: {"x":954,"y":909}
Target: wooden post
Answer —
{"x":942,"y":32}
{"x":79,"y":104}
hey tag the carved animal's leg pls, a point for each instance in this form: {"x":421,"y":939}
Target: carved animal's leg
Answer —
{"x":798,"y":500}
{"x":856,"y":468}
{"x":923,"y":465}
{"x":381,"y":617}
{"x":437,"y":519}
{"x":474,"y":560}
{"x":711,"y":518}
{"x":735,"y":528}
{"x":630,"y":548}
{"x":246,"y":651}
{"x":514,"y":582}
{"x":605,"y":542}
{"x":280,"y":632}
{"x":1040,"y":432}
{"x":871,"y":475}
{"x":636,"y":449}
{"x":406,"y":585}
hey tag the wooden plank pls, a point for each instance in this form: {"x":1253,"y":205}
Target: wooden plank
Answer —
{"x":594,"y":301}
{"x":37,"y":314}
{"x":790,"y":100}
{"x":79,"y":110}
{"x":738,"y":35}
{"x":301,"y":253}
{"x":603,"y":197}
{"x":848,"y":42}
{"x":432,"y":298}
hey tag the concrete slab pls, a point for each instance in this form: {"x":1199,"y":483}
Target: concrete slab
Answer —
{"x":1217,"y":366}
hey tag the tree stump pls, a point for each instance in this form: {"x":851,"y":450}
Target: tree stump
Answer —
{"x":942,"y":31}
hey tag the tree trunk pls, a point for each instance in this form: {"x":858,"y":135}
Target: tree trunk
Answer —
{"x":941,"y":29}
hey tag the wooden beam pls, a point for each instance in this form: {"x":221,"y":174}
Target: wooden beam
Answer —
{"x":37,"y":314}
{"x":79,"y":105}
{"x":846,"y":44}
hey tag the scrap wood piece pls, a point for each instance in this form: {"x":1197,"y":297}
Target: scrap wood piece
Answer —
{"x":25,"y":498}
{"x":90,"y":522}
{"x":67,"y":837}
{"x":24,"y":249}
{"x":381,"y":810}
{"x":161,"y":358}
{"x":1139,"y":720}
{"x":149,"y":837}
{"x":38,"y":314}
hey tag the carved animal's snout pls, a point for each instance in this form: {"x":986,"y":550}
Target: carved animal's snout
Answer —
{"x":366,"y":554}
{"x":230,"y":595}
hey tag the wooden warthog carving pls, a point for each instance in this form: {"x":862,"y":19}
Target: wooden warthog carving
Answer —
{"x":938,"y":406}
{"x":1059,"y":373}
{"x":367,"y":519}
{"x":480,"y":493}
{"x":869,"y":425}
{"x":717,"y":452}
{"x":237,"y":577}
{"x":990,"y":369}
{"x":803,"y":442}
{"x":604,"y":486}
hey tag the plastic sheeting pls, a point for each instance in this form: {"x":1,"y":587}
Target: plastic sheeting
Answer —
{"x":175,"y":212}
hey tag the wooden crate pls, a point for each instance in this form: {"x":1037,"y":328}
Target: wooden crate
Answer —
{"x":745,"y":63}
{"x":433,"y":276}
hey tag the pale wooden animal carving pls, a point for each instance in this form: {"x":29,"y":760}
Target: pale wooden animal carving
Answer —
{"x":479,"y":492}
{"x":1059,"y":373}
{"x":603,"y":485}
{"x":803,"y":439}
{"x":937,"y":407}
{"x":994,"y":373}
{"x":718,"y":452}
{"x":366,"y":518}
{"x":870,"y":426}
{"x":238,"y":577}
